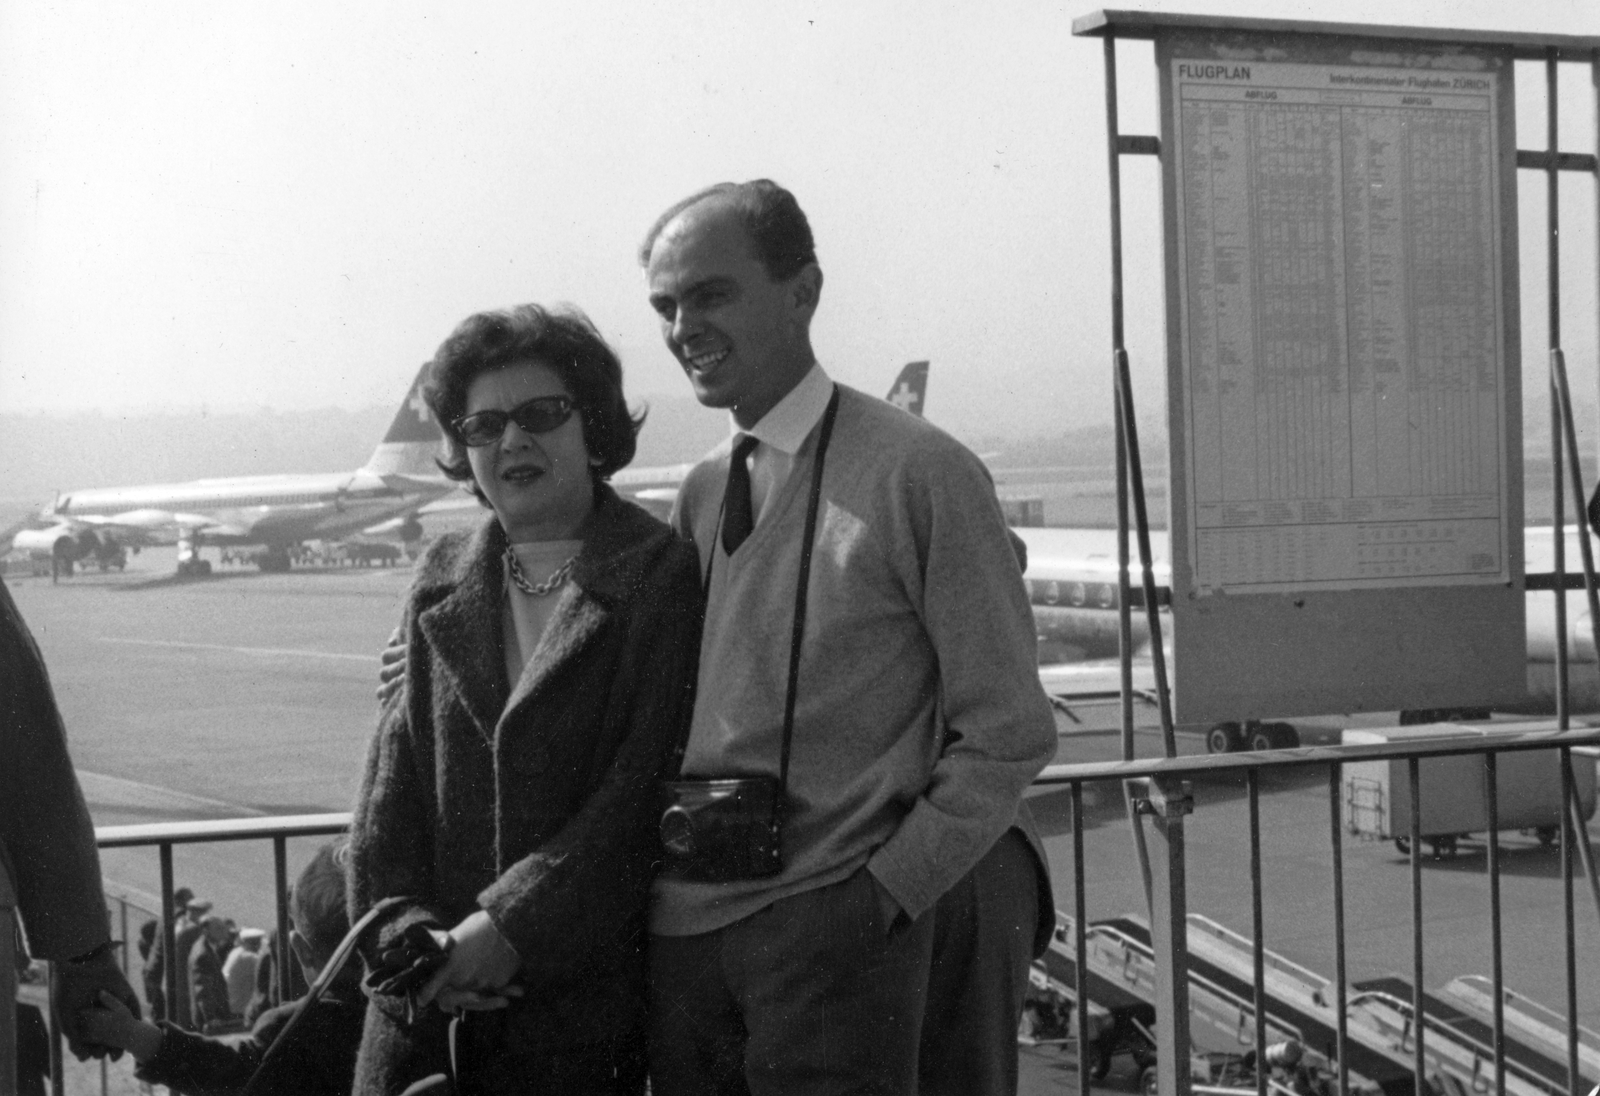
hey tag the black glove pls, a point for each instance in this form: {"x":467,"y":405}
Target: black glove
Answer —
{"x":407,"y":964}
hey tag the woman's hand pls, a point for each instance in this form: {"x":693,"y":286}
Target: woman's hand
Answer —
{"x":479,"y":970}
{"x":391,"y":667}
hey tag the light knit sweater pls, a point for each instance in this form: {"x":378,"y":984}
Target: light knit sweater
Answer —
{"x":920,"y":718}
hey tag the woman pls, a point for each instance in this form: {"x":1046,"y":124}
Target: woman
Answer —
{"x":510,"y":791}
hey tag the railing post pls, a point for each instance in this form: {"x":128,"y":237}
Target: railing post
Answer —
{"x":1167,"y":801}
{"x":169,"y":937}
{"x":122,"y":906}
{"x":280,"y":870}
{"x":58,"y":1080}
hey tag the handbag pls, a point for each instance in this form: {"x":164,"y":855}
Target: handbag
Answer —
{"x":405,"y":969}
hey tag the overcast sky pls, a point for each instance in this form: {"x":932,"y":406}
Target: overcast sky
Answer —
{"x":290,"y":204}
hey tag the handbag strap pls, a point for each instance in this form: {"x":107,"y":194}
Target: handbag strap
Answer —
{"x":801,"y":584}
{"x":330,"y":971}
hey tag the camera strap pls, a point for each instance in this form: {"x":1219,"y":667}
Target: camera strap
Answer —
{"x":813,"y":504}
{"x":801,"y":584}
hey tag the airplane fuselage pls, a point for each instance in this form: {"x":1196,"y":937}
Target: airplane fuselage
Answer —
{"x":270,"y":510}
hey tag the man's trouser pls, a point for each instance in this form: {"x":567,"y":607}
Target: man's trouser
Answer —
{"x":812,"y":994}
{"x":984,"y":931}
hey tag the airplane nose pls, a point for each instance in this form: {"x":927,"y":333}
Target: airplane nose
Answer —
{"x":1581,"y":642}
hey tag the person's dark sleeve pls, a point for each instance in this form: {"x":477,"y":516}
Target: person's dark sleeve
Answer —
{"x":391,"y":836}
{"x":197,"y":1065}
{"x":46,"y":837}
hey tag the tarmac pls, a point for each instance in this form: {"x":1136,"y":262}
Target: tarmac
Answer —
{"x":244,"y":694}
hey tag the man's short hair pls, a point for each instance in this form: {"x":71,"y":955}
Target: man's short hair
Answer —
{"x":562,"y":338}
{"x":779,"y":232}
{"x":317,"y":901}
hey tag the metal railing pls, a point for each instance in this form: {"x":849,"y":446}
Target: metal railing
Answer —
{"x":164,"y":836}
{"x":1162,"y":796}
{"x":1161,"y":793}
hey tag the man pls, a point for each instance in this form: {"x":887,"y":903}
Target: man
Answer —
{"x":155,"y":990}
{"x":208,"y":989}
{"x":187,"y":930}
{"x":918,"y":723}
{"x":240,"y":969}
{"x":49,"y":865}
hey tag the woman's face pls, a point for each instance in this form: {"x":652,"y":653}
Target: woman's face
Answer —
{"x":538,"y":484}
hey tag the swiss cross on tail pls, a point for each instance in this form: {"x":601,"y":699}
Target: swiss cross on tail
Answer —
{"x":414,"y":421}
{"x":909,"y":388}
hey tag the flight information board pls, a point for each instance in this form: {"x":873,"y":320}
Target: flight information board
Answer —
{"x":1344,"y":385}
{"x":1339,"y":257}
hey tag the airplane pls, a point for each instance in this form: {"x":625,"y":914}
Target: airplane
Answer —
{"x":1072,"y":583}
{"x":276,"y":512}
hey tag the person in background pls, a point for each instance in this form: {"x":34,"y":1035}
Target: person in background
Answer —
{"x":155,"y":967}
{"x":208,"y":989}
{"x":511,"y":789}
{"x":319,"y":1059}
{"x":239,"y":969}
{"x":189,"y":929}
{"x":49,"y":865}
{"x":268,"y":992}
{"x":909,"y":888}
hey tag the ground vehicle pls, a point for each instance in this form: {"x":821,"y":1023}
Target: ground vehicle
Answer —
{"x":368,"y":553}
{"x":1453,"y":796}
{"x":1252,"y":734}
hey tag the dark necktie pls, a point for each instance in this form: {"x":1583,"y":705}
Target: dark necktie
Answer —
{"x":738,"y":516}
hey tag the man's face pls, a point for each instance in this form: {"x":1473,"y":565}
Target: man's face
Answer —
{"x":740,"y":336}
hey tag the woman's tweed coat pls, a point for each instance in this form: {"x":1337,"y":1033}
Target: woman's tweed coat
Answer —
{"x":538,"y":804}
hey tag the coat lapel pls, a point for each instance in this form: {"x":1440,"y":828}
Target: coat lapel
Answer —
{"x":617,"y":544}
{"x":577,"y":617}
{"x":461,"y":597}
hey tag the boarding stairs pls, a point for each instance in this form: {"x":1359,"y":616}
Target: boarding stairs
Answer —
{"x":1458,"y":1044}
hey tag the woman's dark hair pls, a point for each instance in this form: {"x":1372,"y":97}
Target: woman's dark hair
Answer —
{"x":562,"y":338}
{"x":779,"y":233}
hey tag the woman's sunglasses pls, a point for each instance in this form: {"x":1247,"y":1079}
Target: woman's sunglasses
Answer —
{"x":538,"y":416}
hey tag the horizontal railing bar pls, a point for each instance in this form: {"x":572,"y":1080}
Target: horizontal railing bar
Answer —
{"x":221,"y":829}
{"x":1533,"y":580}
{"x":1490,"y":742}
{"x":1546,"y":580}
{"x":1539,"y":159}
{"x":1524,"y":45}
{"x":1130,"y":145}
{"x":314,"y":825}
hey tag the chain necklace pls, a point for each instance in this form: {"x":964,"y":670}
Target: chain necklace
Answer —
{"x":557,"y":578}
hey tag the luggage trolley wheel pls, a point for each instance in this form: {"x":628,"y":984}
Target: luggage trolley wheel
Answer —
{"x":1271,"y":736}
{"x":1443,"y":845}
{"x":1224,"y":738}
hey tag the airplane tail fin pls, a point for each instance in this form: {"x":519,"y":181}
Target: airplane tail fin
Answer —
{"x":413,"y":440}
{"x":909,"y":388}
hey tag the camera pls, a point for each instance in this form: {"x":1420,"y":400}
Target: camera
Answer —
{"x":724,"y":829}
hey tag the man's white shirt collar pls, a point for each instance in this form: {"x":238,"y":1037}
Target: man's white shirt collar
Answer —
{"x":786,"y":427}
{"x":781,"y":432}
